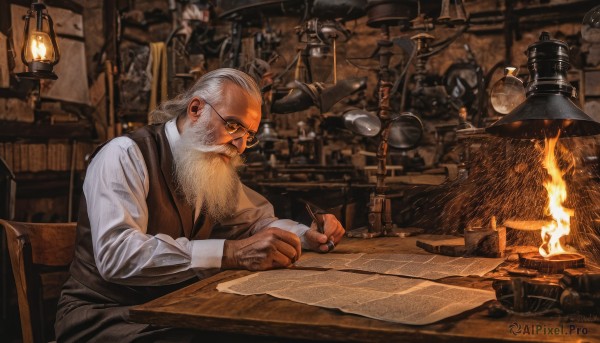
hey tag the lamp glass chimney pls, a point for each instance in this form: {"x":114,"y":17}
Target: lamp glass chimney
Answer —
{"x":39,"y":48}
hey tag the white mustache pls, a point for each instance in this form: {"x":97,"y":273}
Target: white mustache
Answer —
{"x":217,"y":149}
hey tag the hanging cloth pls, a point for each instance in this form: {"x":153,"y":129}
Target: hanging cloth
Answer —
{"x":158,"y":60}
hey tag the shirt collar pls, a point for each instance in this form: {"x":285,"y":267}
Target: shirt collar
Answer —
{"x":173,"y":135}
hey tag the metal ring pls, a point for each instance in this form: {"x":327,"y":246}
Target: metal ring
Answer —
{"x":330,"y":245}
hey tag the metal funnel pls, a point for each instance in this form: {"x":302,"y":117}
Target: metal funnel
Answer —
{"x":548,"y":107}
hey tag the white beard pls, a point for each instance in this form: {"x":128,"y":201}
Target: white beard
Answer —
{"x":203,"y":176}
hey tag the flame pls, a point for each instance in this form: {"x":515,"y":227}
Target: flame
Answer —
{"x":557,"y":194}
{"x":38,"y":48}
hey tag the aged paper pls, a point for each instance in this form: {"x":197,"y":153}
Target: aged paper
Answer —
{"x":383,"y":297}
{"x":428,"y":266}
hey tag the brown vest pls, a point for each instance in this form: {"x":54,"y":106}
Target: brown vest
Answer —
{"x":168,"y":212}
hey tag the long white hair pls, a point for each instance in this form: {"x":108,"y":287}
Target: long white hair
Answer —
{"x":209,"y":88}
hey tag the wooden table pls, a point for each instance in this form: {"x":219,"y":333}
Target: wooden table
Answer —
{"x":201,"y":306}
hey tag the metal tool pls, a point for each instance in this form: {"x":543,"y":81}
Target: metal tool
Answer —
{"x":318,"y":219}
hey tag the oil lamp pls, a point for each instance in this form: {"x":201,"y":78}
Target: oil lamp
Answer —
{"x":39,"y":52}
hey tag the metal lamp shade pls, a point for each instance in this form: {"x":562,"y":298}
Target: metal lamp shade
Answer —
{"x":542,"y":115}
{"x":548,"y":108}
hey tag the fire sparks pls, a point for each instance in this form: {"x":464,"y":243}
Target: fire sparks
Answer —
{"x":557,"y":195}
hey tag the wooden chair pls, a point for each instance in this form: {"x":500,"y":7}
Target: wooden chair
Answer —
{"x":40,"y":254}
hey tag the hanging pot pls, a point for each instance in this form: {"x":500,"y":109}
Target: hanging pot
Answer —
{"x":390,"y":12}
{"x":242,"y":8}
{"x":339,"y":9}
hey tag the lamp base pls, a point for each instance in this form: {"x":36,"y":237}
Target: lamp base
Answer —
{"x":37,"y":75}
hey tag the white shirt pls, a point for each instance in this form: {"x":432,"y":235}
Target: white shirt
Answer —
{"x":115,"y":188}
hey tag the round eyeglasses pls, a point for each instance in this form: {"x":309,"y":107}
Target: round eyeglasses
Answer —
{"x":237,"y":130}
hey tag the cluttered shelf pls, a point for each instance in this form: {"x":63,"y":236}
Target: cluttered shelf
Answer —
{"x":46,"y":167}
{"x":45,"y":156}
{"x":16,"y":129}
{"x":45,"y":183}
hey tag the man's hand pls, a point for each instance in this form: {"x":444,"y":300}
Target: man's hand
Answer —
{"x":334,"y":231}
{"x":268,"y":249}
